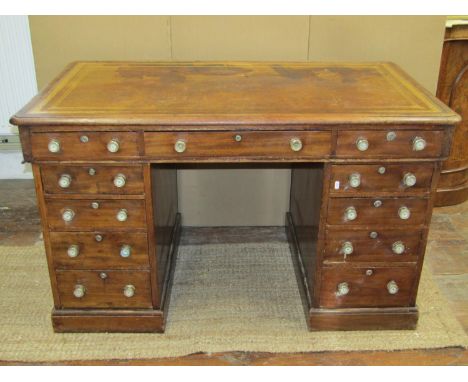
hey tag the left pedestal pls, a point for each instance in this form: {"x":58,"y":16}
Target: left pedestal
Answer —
{"x":111,"y":232}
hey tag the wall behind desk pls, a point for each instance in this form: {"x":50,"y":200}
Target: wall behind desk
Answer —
{"x":209,"y":197}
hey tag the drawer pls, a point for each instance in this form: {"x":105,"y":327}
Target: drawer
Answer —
{"x":92,"y":179}
{"x":360,"y":287}
{"x":354,"y":246}
{"x":405,"y":144}
{"x":104,"y":289}
{"x":401,"y":179}
{"x":247,"y":144}
{"x":377,"y":212}
{"x":99,"y":250}
{"x":104,"y":145}
{"x":81,"y":215}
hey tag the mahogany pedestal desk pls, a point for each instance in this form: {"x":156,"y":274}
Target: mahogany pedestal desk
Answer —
{"x":364,"y":142}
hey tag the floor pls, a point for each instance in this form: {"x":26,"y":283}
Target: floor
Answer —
{"x":447,"y":257}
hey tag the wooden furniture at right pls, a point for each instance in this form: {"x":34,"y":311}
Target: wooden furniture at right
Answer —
{"x":452,"y":89}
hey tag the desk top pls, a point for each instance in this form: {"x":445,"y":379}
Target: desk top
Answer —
{"x":217,"y":93}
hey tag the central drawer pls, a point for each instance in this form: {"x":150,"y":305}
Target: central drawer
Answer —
{"x":247,"y":144}
{"x":104,"y":289}
{"x":95,"y":215}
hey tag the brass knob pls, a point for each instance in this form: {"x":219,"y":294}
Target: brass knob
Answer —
{"x":398,"y":247}
{"x":362,"y":144}
{"x":54,"y":146}
{"x":95,"y":205}
{"x":409,"y":179}
{"x":122,"y":215}
{"x":391,"y":135}
{"x":119,"y":180}
{"x":373,"y":235}
{"x":65,"y":181}
{"x":68,"y":215}
{"x":98,"y":238}
{"x":103,"y":275}
{"x":355,"y":180}
{"x":84,"y":139}
{"x":296,"y":144}
{"x":73,"y":251}
{"x":419,"y":144}
{"x":79,"y":291}
{"x":125,"y":251}
{"x":180,"y":146}
{"x":129,"y":291}
{"x":404,"y":213}
{"x":369,"y":272}
{"x":392,"y":287}
{"x":347,"y":248}
{"x":238,"y":137}
{"x":381,"y":170}
{"x":92,"y":171}
{"x":350,"y":213}
{"x":113,"y":145}
{"x":377,"y":203}
{"x":342,"y":289}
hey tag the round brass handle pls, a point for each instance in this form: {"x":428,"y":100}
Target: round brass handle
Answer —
{"x":295,"y":144}
{"x":355,"y":180}
{"x":409,"y":179}
{"x":95,"y":205}
{"x":79,"y":291}
{"x":350,"y":213}
{"x":54,"y":146}
{"x":98,"y":238}
{"x":419,"y":144}
{"x":404,"y":213}
{"x":68,"y":215}
{"x":92,"y":171}
{"x":122,"y":215}
{"x":73,"y":251}
{"x":347,"y":248}
{"x":391,"y":136}
{"x":120,"y":180}
{"x":65,"y":181}
{"x":392,"y":287}
{"x":398,"y":247}
{"x":103,"y":275}
{"x":342,"y":289}
{"x":113,"y":145}
{"x":238,"y":137}
{"x":180,"y":146}
{"x":362,"y":144}
{"x":129,"y":291}
{"x":125,"y":251}
{"x":84,"y":139}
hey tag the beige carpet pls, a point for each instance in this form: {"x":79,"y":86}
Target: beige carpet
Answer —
{"x":226,"y":297}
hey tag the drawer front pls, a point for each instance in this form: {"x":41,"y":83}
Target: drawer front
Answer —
{"x":377,"y":212}
{"x":354,"y":246}
{"x":85,"y":217}
{"x":104,"y":289}
{"x":360,"y":287}
{"x":261,"y":144}
{"x":85,"y":145}
{"x":401,"y":179}
{"x":99,"y":250}
{"x":380,"y":145}
{"x":92,"y":179}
